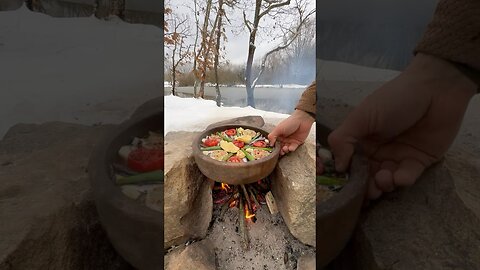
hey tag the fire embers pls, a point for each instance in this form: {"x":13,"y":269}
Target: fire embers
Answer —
{"x":248,"y":198}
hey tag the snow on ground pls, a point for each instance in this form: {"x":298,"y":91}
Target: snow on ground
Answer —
{"x":191,"y":114}
{"x":80,"y":70}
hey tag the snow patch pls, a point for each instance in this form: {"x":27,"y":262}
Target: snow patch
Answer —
{"x":191,"y":114}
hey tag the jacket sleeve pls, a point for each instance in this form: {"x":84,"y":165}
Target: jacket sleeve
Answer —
{"x":308,"y":100}
{"x":454,"y":35}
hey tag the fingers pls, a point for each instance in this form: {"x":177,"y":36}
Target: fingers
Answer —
{"x":384,"y":176}
{"x":272,"y":137}
{"x":342,"y":147}
{"x":343,"y":139}
{"x":373,"y":191}
{"x":384,"y":180}
{"x":391,"y":175}
{"x":289,"y":147}
{"x":284,"y":150}
{"x":408,"y":172}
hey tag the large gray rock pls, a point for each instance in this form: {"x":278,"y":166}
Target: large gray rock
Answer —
{"x":197,"y":256}
{"x":306,"y":262}
{"x":294,"y":190}
{"x":48,"y":218}
{"x":188,"y":198}
{"x":427,"y":226}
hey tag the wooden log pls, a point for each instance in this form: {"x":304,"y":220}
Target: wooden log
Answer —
{"x":245,"y":193}
{"x":242,"y":226}
{"x":252,"y":192}
{"x":272,"y":206}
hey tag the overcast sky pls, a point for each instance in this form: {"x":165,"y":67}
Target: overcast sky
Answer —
{"x":236,"y":49}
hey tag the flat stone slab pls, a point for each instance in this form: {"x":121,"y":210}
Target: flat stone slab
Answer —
{"x":48,"y":217}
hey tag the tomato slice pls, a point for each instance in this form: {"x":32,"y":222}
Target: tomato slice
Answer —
{"x":145,"y":160}
{"x":231,"y":132}
{"x":239,"y":144}
{"x":260,"y":144}
{"x":211,"y":142}
{"x":234,"y":159}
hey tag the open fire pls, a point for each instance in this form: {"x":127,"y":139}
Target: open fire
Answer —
{"x":248,"y":198}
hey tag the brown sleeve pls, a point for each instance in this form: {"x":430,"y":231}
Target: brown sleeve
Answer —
{"x":454,"y":35}
{"x":308,"y":100}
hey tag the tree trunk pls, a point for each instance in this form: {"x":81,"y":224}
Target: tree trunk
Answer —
{"x":205,"y":52}
{"x":195,"y":83}
{"x":174,"y":70}
{"x":201,"y":93}
{"x":218,"y":97}
{"x":251,"y":54}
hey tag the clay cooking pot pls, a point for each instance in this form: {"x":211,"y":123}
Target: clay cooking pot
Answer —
{"x":338,"y":215}
{"x":234,"y":173}
{"x":135,"y":230}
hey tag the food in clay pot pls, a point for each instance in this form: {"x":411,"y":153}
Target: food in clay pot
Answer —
{"x":329,"y":181}
{"x":138,"y":170}
{"x":236,"y":145}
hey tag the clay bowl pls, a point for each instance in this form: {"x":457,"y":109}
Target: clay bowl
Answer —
{"x":338,"y":215}
{"x":135,"y":231}
{"x":234,"y":173}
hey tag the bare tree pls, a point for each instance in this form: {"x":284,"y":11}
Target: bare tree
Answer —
{"x":197,"y":27}
{"x":203,"y":54}
{"x":220,"y":14}
{"x":180,"y":51}
{"x":271,"y":8}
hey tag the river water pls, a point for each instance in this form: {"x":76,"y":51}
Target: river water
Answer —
{"x":281,"y":100}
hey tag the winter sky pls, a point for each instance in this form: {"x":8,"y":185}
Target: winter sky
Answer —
{"x":236,"y":49}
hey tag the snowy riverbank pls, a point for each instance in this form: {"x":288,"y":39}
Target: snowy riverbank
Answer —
{"x":80,"y":70}
{"x":190,"y":114}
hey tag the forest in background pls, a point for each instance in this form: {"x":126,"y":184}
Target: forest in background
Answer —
{"x":196,"y":34}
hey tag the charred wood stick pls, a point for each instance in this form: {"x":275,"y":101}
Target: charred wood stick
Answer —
{"x":247,"y":198}
{"x":242,"y":225}
{"x":254,"y":197}
{"x":227,"y":205}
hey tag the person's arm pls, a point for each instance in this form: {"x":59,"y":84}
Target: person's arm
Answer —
{"x":308,"y":100}
{"x":293,"y":131}
{"x":454,"y":35}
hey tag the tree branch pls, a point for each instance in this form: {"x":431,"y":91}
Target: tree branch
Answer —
{"x":273,"y":6}
{"x":303,"y":21}
{"x":247,"y":22}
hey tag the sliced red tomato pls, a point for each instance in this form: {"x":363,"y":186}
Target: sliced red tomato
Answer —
{"x":211,"y":142}
{"x":234,"y":159}
{"x":145,"y":160}
{"x":260,"y":144}
{"x":239,"y":144}
{"x":231,"y":132}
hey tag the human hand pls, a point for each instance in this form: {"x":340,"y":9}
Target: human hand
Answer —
{"x":406,"y":125}
{"x":292,"y":131}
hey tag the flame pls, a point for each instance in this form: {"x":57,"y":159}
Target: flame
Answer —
{"x":225,"y":186}
{"x":247,"y":213}
{"x":232,"y":204}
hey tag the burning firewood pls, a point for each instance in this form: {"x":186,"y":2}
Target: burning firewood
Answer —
{"x":229,"y":204}
{"x":243,"y":226}
{"x":252,"y":194}
{"x":248,"y":199}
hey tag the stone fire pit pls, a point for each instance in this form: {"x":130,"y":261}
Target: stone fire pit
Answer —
{"x":277,"y":241}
